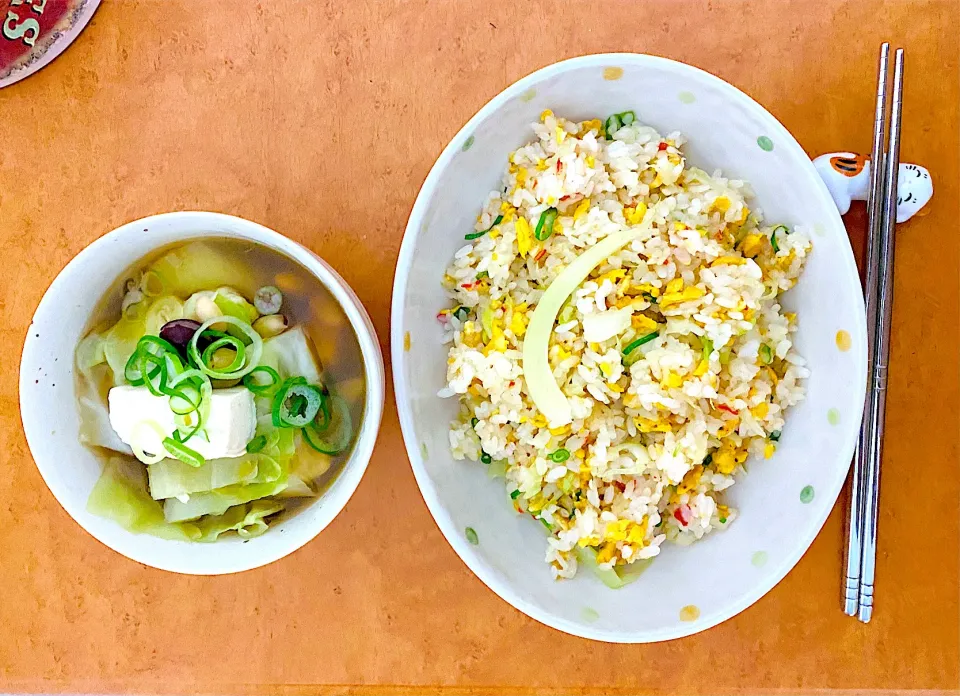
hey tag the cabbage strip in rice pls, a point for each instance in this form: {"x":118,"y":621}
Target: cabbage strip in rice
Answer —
{"x":660,"y":426}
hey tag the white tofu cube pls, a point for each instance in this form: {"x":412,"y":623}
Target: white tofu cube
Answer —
{"x":230,"y":426}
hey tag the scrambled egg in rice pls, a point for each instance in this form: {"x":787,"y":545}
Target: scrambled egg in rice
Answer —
{"x":674,"y":354}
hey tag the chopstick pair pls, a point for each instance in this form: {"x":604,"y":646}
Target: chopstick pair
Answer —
{"x":882,"y":202}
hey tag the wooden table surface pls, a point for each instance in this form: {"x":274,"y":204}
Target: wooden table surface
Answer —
{"x":320,"y":119}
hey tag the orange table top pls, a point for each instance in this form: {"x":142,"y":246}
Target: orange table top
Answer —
{"x":320,"y":120}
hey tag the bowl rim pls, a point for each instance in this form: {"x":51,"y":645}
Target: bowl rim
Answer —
{"x":488,"y":576}
{"x":186,"y":224}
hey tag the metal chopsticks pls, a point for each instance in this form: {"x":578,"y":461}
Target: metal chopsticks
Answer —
{"x":862,"y":532}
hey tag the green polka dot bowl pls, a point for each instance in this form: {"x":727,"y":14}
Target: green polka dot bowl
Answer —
{"x":782,"y":502}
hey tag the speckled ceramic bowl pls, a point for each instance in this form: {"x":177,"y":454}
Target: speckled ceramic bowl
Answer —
{"x":49,"y":409}
{"x":783,"y":502}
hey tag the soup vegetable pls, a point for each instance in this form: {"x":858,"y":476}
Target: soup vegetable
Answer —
{"x":208,"y":397}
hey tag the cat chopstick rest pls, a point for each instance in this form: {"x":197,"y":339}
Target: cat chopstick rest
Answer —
{"x":847,"y":176}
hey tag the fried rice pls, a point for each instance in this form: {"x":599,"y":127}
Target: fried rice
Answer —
{"x":696,"y":376}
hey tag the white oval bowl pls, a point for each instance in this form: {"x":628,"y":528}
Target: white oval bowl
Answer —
{"x":728,"y":571}
{"x":48,"y":401}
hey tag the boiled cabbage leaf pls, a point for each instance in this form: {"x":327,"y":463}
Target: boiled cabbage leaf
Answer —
{"x":197,"y":266}
{"x":120,"y":342}
{"x":291,"y":354}
{"x":162,"y":310}
{"x":247,"y":520}
{"x":121,"y":495}
{"x":170,"y":478}
{"x":217,"y":502}
{"x":296,"y":488}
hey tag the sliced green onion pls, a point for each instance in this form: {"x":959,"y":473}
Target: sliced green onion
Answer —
{"x":252,"y":352}
{"x":477,"y":235}
{"x":471,"y":535}
{"x":612,"y":125}
{"x":334,"y":435}
{"x":180,"y":451}
{"x":156,"y":371}
{"x":296,"y":403}
{"x":707,"y":348}
{"x":773,"y":237}
{"x":486,"y":458}
{"x":132,"y":373}
{"x":228,"y":342}
{"x":257,"y":444}
{"x":155,"y":345}
{"x":629,"y":359}
{"x":633,"y":345}
{"x":515,"y":494}
{"x":151,"y":363}
{"x":766,"y":354}
{"x":185,"y":400}
{"x":473,"y":422}
{"x":461,"y":312}
{"x":545,"y":224}
{"x":545,"y":523}
{"x":268,"y":300}
{"x":253,"y":383}
{"x":189,"y":397}
{"x":483,"y":274}
{"x":775,"y":436}
{"x":559,"y":456}
{"x":627,"y":117}
{"x":138,"y":451}
{"x":708,"y":460}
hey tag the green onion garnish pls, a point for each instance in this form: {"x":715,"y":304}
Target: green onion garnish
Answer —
{"x":461,"y":312}
{"x":766,"y":354}
{"x":633,"y":345}
{"x":477,"y":235}
{"x":612,"y":125}
{"x":559,"y":456}
{"x":707,"y":348}
{"x":254,"y":381}
{"x":157,"y":364}
{"x":473,"y":422}
{"x":182,"y":452}
{"x":257,"y":444}
{"x":627,"y":117}
{"x":296,"y":403}
{"x":486,"y":458}
{"x":483,"y":274}
{"x":250,"y":339}
{"x":545,"y":523}
{"x":775,"y":436}
{"x":268,"y":300}
{"x":515,"y":494}
{"x":707,"y":460}
{"x":471,"y":535}
{"x":333,"y":433}
{"x":773,"y":236}
{"x":545,"y":224}
{"x":229,"y":343}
